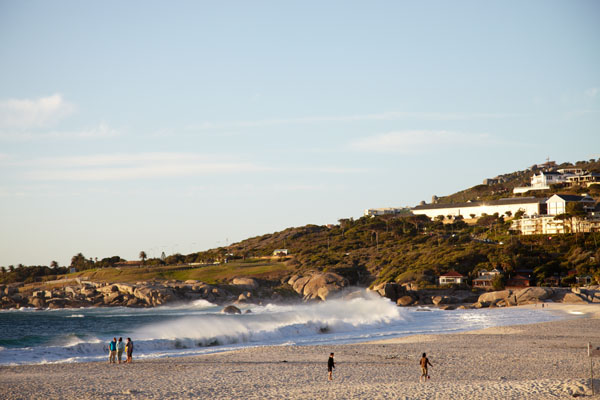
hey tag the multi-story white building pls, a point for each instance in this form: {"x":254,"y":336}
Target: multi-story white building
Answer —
{"x":549,"y":225}
{"x":475,"y":209}
{"x":544,"y":179}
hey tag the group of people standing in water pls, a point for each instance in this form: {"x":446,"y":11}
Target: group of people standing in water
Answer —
{"x":116,"y":349}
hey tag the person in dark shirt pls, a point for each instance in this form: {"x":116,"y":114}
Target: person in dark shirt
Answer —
{"x":129,"y":350}
{"x":330,"y":366}
{"x":424,"y":362}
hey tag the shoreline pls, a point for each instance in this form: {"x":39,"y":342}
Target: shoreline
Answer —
{"x":535,"y":361}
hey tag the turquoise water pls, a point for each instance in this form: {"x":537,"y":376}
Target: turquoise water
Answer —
{"x":78,"y":335}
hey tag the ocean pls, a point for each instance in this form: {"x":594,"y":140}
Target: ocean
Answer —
{"x":79,"y":335}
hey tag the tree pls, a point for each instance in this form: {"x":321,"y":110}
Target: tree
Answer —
{"x":508,"y":214}
{"x":143,"y":256}
{"x":3,"y":270}
{"x":519,"y":214}
{"x":54,"y":265}
{"x":11,"y":268}
{"x":497,"y":282}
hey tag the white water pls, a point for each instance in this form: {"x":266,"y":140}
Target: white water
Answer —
{"x":199,"y":327}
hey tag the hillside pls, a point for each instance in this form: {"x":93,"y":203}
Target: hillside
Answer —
{"x":398,"y":248}
{"x":507,"y":182}
{"x":413,"y":249}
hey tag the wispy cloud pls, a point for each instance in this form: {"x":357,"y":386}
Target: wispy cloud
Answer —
{"x":384,"y":116}
{"x":592,"y":92}
{"x":97,"y":132}
{"x":33,"y":113}
{"x":111,"y":167}
{"x":418,"y":141}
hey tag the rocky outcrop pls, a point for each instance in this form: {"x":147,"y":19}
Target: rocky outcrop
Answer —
{"x":246,"y":283}
{"x":318,"y":285}
{"x":532,"y":295}
{"x":231,"y":309}
{"x":402,"y":296}
{"x":86,"y":294}
{"x":405,"y":301}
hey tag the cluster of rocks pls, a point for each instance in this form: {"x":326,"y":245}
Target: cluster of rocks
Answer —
{"x":533,"y":295}
{"x":407,"y":295}
{"x":86,"y":294}
{"x":317,"y":285}
{"x":79,"y":293}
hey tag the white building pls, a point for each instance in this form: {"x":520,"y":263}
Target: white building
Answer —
{"x":548,"y":225}
{"x":557,"y":204}
{"x":529,"y":205}
{"x":384,"y":211}
{"x":452,"y":277}
{"x":547,"y":178}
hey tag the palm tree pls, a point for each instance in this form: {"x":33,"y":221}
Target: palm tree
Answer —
{"x":54,"y":264}
{"x":143,"y":256}
{"x":3,"y":269}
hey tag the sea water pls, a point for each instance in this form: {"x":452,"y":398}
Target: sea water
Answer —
{"x":78,"y":335}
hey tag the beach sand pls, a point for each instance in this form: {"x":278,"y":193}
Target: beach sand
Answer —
{"x":538,"y":361}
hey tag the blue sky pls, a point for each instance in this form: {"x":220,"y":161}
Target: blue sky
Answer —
{"x":181,"y":126}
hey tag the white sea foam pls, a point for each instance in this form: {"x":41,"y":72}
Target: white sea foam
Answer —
{"x":199,"y":328}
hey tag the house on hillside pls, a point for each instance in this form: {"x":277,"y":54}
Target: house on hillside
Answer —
{"x":545,"y":179}
{"x":557,"y":204}
{"x":129,"y":264}
{"x":584,"y":280}
{"x":518,"y":281}
{"x":485,"y":278}
{"x":371,"y":212}
{"x":280,"y":252}
{"x":452,"y":278}
{"x":552,"y":281}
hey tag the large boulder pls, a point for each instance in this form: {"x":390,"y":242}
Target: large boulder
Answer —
{"x":300,"y":283}
{"x":405,"y":301}
{"x":533,"y":295}
{"x":573,"y":298}
{"x":56,"y":303}
{"x":321,"y":285}
{"x":231,"y":309}
{"x":37,"y":302}
{"x":437,"y":300}
{"x":125,"y":288}
{"x":247,"y":283}
{"x":113,"y":297}
{"x":494,"y":297}
{"x":293,"y":279}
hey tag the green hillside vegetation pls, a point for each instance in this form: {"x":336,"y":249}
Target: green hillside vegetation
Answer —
{"x":212,"y":274}
{"x":403,"y":249}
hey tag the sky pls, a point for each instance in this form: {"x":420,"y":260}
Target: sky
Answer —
{"x":182,"y":126}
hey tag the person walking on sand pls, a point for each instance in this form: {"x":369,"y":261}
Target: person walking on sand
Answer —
{"x":424,"y":362}
{"x":330,"y":367}
{"x":120,"y":348}
{"x":112,"y":348}
{"x":129,"y":350}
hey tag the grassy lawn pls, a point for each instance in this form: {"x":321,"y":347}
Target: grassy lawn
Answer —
{"x":210,"y":274}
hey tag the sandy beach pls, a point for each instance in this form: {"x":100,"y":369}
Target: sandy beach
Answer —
{"x":539,"y":361}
